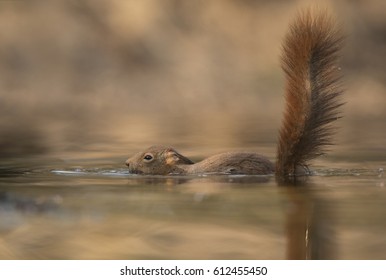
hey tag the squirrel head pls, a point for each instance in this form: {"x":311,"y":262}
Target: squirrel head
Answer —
{"x":157,"y":160}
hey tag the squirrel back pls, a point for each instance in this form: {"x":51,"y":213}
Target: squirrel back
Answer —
{"x":159,"y":160}
{"x":309,"y":61}
{"x":312,"y":93}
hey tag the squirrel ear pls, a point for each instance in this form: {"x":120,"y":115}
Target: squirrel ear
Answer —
{"x":175,"y":158}
{"x":183,"y":160}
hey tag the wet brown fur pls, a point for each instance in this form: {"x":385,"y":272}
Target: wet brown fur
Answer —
{"x":309,"y":61}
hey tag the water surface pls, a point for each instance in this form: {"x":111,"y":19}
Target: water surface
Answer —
{"x":55,"y":209}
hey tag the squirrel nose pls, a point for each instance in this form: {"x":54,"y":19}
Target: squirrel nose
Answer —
{"x":127,"y":163}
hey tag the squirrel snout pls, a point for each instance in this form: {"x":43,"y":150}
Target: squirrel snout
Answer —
{"x":127,"y":163}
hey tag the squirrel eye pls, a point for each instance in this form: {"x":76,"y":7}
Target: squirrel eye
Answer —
{"x":148,"y":157}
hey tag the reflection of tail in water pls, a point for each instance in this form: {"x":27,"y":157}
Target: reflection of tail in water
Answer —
{"x":308,"y":227}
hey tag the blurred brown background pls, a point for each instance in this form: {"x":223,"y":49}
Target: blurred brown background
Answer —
{"x":109,"y":77}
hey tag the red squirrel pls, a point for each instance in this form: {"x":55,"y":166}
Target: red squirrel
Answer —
{"x":312,"y":95}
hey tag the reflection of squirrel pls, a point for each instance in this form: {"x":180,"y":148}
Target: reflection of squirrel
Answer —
{"x":309,"y":61}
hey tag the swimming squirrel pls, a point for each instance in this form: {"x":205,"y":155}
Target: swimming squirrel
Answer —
{"x":312,"y":95}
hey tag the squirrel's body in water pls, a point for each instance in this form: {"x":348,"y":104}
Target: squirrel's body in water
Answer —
{"x":309,"y":61}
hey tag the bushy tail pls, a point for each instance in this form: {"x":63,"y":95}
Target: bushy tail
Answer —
{"x":313,"y":88}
